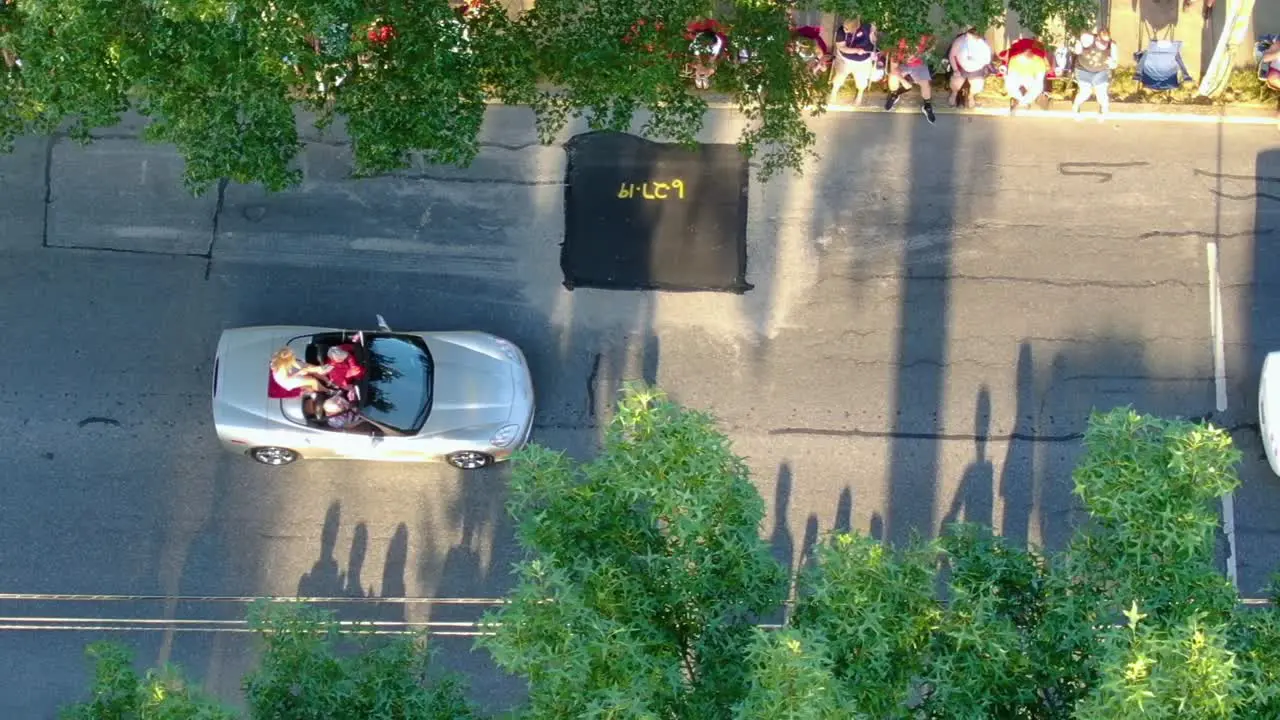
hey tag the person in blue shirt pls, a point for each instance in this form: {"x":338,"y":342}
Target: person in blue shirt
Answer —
{"x":855,"y":55}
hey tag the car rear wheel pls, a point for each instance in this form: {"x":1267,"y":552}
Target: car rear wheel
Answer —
{"x":469,"y":460}
{"x":274,"y":456}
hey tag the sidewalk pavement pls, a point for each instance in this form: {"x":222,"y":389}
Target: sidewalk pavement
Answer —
{"x":124,"y":195}
{"x":997,"y":105}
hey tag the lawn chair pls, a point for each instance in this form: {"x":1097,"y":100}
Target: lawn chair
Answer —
{"x":1160,"y":66}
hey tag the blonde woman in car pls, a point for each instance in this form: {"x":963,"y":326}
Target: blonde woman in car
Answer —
{"x":291,"y":373}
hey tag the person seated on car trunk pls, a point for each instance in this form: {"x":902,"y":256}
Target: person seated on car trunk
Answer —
{"x":290,"y":373}
{"x":343,"y":368}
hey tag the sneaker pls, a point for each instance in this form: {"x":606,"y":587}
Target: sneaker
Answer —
{"x":927,"y":109}
{"x":892,"y":100}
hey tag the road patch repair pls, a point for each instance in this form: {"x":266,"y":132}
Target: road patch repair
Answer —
{"x":641,"y":215}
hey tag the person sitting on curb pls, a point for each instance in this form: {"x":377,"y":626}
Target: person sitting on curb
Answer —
{"x":1096,"y":57}
{"x":855,"y":56}
{"x":1026,"y":67}
{"x":907,"y":65}
{"x":707,"y":44}
{"x":969,"y":57}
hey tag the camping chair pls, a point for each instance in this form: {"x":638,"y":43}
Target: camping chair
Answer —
{"x":1160,"y":66}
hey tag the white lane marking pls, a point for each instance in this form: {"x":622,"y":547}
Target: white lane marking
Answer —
{"x":1220,"y":390}
{"x":1229,"y":527}
{"x":1215,"y":325}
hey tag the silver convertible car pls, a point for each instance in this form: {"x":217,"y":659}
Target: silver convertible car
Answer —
{"x":462,"y":397}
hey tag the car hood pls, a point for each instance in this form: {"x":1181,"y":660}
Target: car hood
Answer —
{"x":471,"y":387}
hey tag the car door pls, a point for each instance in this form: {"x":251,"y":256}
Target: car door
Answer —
{"x":350,"y":444}
{"x":393,"y":448}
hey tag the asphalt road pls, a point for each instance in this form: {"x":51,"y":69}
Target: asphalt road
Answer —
{"x":937,"y":309}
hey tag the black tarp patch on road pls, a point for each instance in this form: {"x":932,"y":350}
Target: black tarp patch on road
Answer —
{"x":641,"y":215}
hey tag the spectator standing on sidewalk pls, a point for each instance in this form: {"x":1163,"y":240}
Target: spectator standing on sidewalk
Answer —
{"x":907,"y":65}
{"x":969,"y":57}
{"x":855,"y":56}
{"x":1026,"y":67}
{"x":1096,"y":57}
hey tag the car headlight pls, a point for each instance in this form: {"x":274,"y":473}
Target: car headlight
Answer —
{"x":509,"y":350}
{"x":505,"y":435}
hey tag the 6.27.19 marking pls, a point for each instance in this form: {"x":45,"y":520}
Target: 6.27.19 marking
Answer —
{"x":661,"y":191}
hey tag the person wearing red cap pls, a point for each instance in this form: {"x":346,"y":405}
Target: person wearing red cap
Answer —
{"x":1026,"y":67}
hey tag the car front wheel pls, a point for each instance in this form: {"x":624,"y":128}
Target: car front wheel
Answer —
{"x":275,"y":456}
{"x":469,"y":460}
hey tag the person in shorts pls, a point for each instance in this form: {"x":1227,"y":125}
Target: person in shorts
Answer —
{"x":1096,"y":57}
{"x":907,"y":67}
{"x":969,"y":56}
{"x":1026,"y":67}
{"x":855,"y":56}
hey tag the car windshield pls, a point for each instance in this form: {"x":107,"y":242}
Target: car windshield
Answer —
{"x":399,"y":383}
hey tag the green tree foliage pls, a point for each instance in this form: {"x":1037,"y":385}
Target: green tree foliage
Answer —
{"x":220,"y":79}
{"x":119,"y":693}
{"x":1070,"y":16}
{"x":646,"y":582}
{"x":875,"y":611}
{"x":1131,"y":620}
{"x":646,"y":571}
{"x":308,"y":671}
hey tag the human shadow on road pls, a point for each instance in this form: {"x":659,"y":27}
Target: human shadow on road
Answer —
{"x":393,"y":574}
{"x":973,"y":501}
{"x":325,"y":579}
{"x":842,"y":523}
{"x":1018,"y":472}
{"x":781,"y":539}
{"x":352,"y":583}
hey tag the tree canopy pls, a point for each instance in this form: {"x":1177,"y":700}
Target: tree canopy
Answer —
{"x":310,"y":669}
{"x":630,"y":594}
{"x":221,"y":79}
{"x":646,"y":591}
